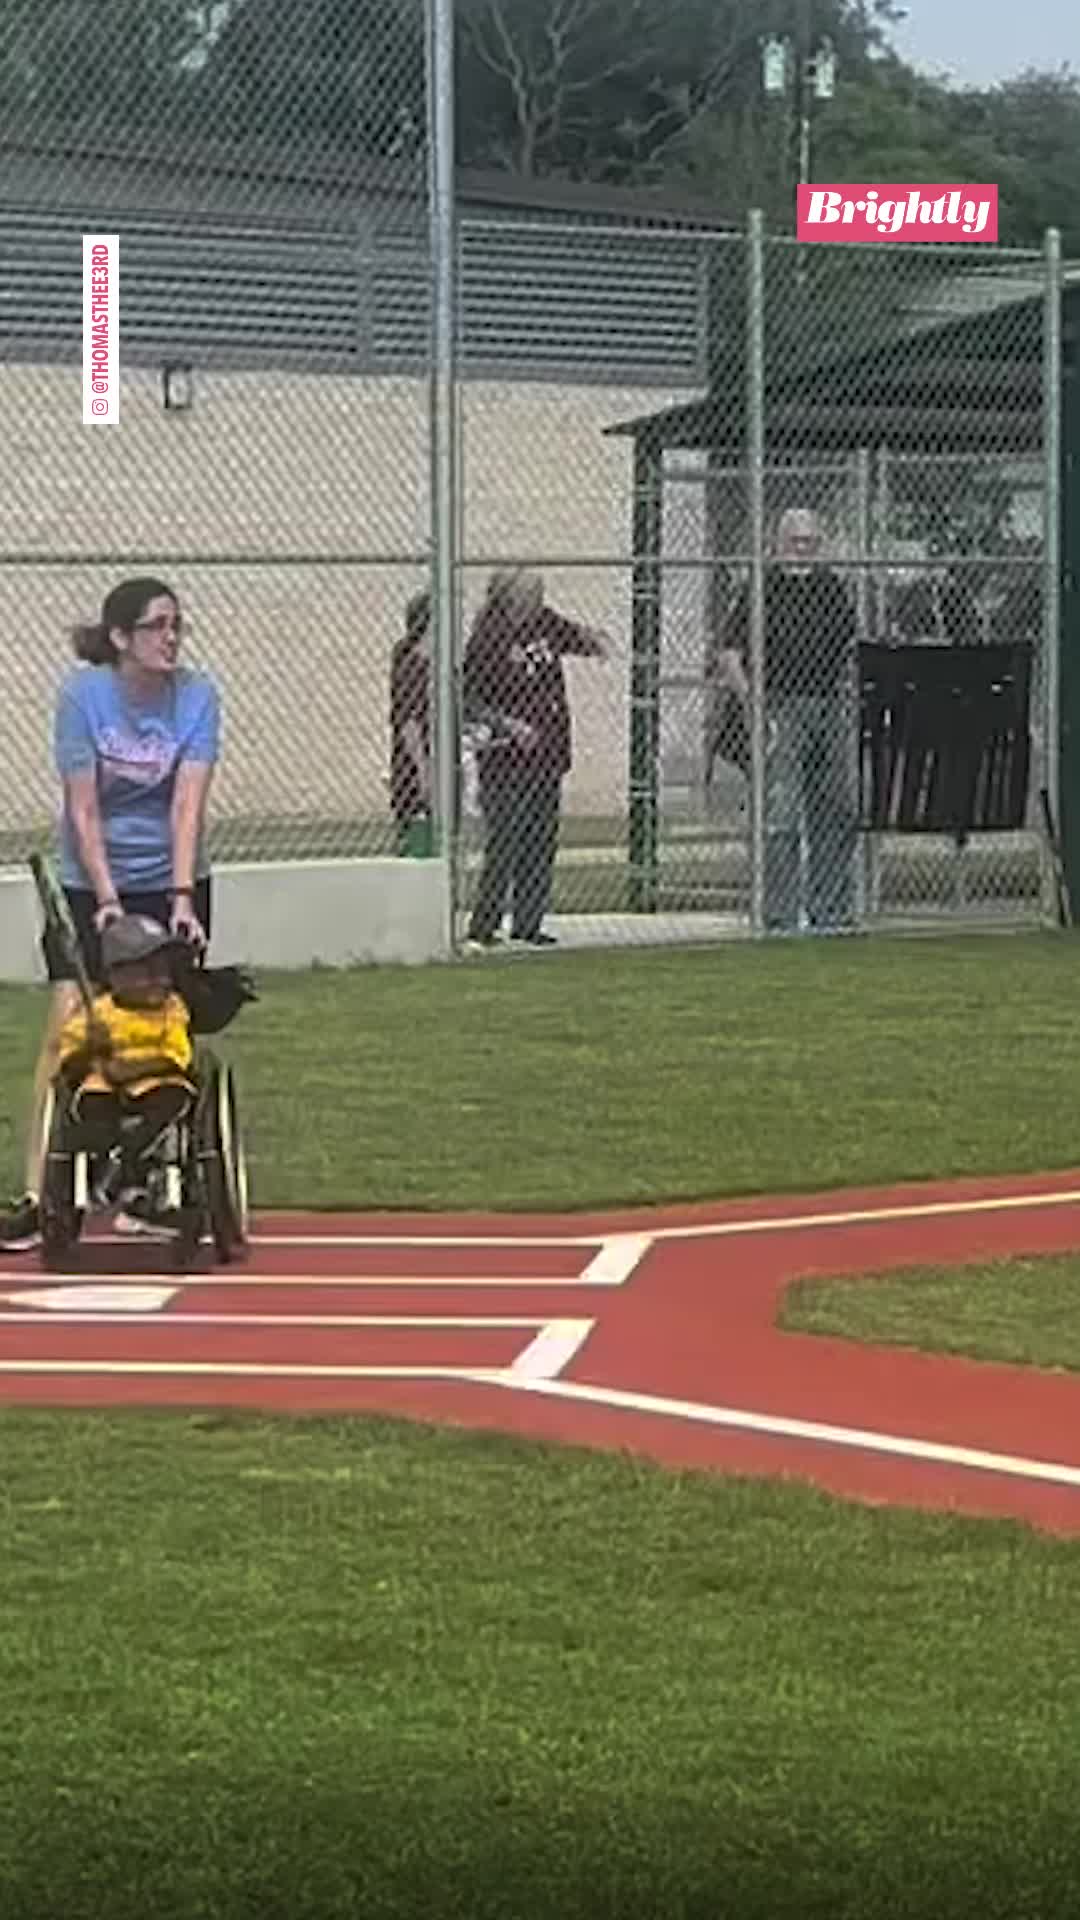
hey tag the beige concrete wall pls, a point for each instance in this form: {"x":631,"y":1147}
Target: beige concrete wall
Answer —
{"x":272,"y":466}
{"x":332,"y":913}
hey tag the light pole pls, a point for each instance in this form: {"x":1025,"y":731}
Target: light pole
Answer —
{"x":815,"y":79}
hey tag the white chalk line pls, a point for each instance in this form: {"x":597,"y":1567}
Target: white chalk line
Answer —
{"x":617,"y":1258}
{"x":705,"y":1230}
{"x":120,"y":1317}
{"x":532,"y":1381}
{"x":611,"y":1266}
{"x":552,"y":1348}
{"x":244,"y":1369}
{"x":618,"y":1254}
{"x":384,"y":1283}
{"x":777,"y":1426}
{"x":537,"y":1370}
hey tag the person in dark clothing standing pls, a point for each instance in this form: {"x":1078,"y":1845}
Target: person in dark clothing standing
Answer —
{"x":516,"y":708}
{"x":810,"y":657}
{"x":410,"y":723}
{"x":937,"y":605}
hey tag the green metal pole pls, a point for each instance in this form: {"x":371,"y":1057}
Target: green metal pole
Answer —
{"x":756,"y":442}
{"x":1069,"y":626}
{"x":645,"y":677}
{"x":441,"y":422}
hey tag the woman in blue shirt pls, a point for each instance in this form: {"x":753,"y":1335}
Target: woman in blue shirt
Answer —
{"x":136,"y":739}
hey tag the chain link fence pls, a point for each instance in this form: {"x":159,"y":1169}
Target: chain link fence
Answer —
{"x":874,"y":448}
{"x":265,"y":169}
{"x":929,"y":368}
{"x":658,"y":730}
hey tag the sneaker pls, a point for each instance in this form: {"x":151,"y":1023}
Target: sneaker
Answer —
{"x":535,"y":940}
{"x":20,"y":1225}
{"x":489,"y":944}
{"x":138,"y":1216}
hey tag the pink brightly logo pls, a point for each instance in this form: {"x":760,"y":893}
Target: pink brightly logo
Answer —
{"x":859,"y":213}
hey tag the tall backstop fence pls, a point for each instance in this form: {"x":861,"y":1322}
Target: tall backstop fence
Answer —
{"x":744,"y":556}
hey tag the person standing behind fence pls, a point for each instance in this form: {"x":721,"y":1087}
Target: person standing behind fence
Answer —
{"x":518,"y":714}
{"x":410,"y":726}
{"x":810,"y":659}
{"x":136,"y":744}
{"x":937,"y":605}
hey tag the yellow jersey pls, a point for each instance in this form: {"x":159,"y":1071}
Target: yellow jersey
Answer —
{"x":156,"y":1035}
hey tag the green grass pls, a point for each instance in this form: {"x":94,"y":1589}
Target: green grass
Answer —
{"x":631,"y":1077}
{"x":368,"y":1672}
{"x":1020,"y":1312}
{"x":359,"y":1670}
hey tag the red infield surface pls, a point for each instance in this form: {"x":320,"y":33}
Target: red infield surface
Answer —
{"x":651,"y":1332}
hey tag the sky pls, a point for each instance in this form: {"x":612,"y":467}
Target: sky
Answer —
{"x":981,"y":41}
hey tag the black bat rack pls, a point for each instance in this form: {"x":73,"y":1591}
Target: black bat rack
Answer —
{"x":945,"y":739}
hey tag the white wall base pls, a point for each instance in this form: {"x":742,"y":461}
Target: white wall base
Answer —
{"x":332,"y":913}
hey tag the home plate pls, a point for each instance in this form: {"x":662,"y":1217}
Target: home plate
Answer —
{"x":93,"y":1299}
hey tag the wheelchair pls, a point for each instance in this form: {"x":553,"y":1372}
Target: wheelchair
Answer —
{"x":196,"y":1174}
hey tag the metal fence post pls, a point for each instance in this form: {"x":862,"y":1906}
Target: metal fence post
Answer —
{"x":882,"y":539}
{"x":866,"y":871}
{"x":755,"y":468}
{"x":1069,"y":653}
{"x":645,"y":621}
{"x":1051,"y":582}
{"x":444,"y":571}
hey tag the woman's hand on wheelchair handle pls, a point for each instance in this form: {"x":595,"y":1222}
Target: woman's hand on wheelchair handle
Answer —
{"x":184,"y":922}
{"x":108,"y":911}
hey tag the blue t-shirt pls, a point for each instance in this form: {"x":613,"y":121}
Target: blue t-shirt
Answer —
{"x":136,"y":747}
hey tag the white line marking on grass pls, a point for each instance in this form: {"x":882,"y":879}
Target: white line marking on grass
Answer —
{"x":553,"y":1349}
{"x":860,"y":1439}
{"x":705,"y":1230}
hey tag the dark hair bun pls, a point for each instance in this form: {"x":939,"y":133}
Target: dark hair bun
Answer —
{"x":91,"y":643}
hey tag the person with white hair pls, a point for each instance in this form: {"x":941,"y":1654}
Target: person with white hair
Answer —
{"x":809,"y":681}
{"x":518,"y":715}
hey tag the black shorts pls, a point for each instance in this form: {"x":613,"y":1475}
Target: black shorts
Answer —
{"x":83,"y":904}
{"x":97,"y":1116}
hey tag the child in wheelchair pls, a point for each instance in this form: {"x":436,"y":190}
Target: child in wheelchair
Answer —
{"x":127,"y":1067}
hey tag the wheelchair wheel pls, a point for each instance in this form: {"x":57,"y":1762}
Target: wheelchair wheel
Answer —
{"x":61,"y":1211}
{"x":224,"y":1164}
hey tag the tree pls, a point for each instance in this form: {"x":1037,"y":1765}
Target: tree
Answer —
{"x":548,"y":86}
{"x":349,"y":76}
{"x":634,"y":92}
{"x":891,"y":124}
{"x":1033,"y":124}
{"x":110,"y":65}
{"x":627,"y":89}
{"x":1024,"y":137}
